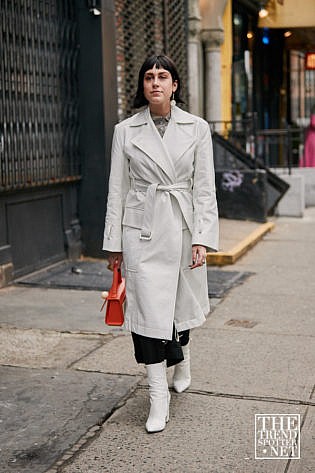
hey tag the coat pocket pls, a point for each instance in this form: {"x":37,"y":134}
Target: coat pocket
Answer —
{"x":133,"y":217}
{"x":131,"y":249}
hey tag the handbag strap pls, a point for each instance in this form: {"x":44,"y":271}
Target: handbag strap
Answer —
{"x":116,"y":278}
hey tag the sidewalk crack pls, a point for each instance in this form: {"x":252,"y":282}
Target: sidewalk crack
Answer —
{"x":249,"y":397}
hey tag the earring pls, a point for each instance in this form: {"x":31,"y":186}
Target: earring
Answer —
{"x":173,"y":101}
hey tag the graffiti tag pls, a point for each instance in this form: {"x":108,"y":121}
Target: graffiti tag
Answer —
{"x":231,"y":180}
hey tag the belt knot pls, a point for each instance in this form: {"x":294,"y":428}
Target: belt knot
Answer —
{"x":150,"y":191}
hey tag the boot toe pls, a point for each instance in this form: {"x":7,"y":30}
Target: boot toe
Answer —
{"x":155,"y":426}
{"x":181,"y":385}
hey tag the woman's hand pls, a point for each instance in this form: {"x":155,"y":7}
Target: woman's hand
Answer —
{"x":199,"y":254}
{"x":114,"y":257}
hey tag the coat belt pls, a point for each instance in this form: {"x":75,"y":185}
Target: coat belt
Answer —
{"x":150,"y":194}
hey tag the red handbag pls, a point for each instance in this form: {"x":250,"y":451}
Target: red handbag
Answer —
{"x":115,"y":299}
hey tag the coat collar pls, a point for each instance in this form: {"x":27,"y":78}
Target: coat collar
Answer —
{"x":179,"y":116}
{"x":163,"y":151}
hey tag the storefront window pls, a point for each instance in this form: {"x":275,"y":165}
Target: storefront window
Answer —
{"x":242,"y":81}
{"x":302,"y":86}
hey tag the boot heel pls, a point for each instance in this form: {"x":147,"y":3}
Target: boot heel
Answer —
{"x":168,"y":408}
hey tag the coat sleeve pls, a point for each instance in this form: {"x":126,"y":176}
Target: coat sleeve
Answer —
{"x":119,"y":185}
{"x":206,"y":224}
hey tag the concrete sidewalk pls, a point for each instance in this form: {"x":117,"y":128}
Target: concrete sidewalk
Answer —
{"x":73,"y":398}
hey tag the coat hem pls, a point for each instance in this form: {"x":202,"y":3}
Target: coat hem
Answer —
{"x":189,"y":324}
{"x":149,"y":331}
{"x":161,"y":334}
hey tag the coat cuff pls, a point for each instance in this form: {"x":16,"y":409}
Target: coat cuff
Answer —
{"x":210,"y":242}
{"x":112,"y":238}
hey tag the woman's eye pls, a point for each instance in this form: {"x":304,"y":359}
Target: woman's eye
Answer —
{"x":148,"y":78}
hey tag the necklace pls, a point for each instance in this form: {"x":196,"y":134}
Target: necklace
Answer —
{"x":161,"y":122}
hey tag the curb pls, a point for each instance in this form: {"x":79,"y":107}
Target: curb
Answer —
{"x":222,"y":258}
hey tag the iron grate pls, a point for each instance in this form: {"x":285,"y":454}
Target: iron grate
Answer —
{"x":95,"y":276}
{"x":241,"y":323}
{"x":144,"y":28}
{"x":39,"y":125}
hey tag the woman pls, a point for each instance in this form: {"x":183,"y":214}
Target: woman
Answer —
{"x":308,"y":158}
{"x":161,"y":219}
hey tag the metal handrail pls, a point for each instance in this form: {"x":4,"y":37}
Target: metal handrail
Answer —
{"x":275,"y":147}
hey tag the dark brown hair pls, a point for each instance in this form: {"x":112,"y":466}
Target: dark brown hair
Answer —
{"x":163,"y":62}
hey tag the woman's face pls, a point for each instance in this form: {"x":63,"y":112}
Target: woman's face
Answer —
{"x":158,"y":87}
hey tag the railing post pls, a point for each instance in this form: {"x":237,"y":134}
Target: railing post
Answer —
{"x":289,"y":150}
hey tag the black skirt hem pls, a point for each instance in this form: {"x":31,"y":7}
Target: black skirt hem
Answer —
{"x":149,"y":350}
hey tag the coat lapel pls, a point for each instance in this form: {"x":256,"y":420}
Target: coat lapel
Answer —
{"x":178,"y":138}
{"x":150,"y":142}
{"x":180,"y":134}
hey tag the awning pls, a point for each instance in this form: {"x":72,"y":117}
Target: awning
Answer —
{"x":292,"y":14}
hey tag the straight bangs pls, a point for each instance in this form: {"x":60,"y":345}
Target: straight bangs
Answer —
{"x":159,"y":62}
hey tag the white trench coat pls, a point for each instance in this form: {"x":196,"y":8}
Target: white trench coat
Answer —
{"x":162,"y":201}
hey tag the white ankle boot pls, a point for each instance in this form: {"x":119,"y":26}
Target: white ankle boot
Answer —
{"x":182,"y":378}
{"x":159,"y":397}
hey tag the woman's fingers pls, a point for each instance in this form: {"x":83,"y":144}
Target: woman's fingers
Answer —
{"x":199,"y":254}
{"x":114,"y":258}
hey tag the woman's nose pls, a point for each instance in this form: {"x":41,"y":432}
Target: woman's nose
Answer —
{"x":155,"y":81}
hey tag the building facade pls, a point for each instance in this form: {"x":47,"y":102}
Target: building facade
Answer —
{"x":68,"y":75}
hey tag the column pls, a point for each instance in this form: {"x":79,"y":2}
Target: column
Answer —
{"x":212,"y":40}
{"x":195,"y":71}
